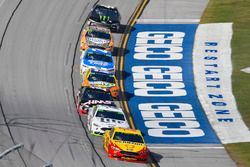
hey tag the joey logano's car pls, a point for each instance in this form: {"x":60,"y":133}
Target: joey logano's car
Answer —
{"x":106,"y":15}
{"x":88,"y":97}
{"x":97,"y":59}
{"x":127,"y":144}
{"x":100,"y":80}
{"x":97,"y":37}
{"x":102,"y":118}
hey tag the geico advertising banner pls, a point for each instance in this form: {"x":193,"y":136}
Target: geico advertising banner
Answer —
{"x":159,"y":86}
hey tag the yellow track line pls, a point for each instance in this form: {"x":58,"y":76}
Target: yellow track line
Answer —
{"x":123,"y":43}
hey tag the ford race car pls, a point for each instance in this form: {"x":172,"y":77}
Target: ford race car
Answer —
{"x":125,"y":144}
{"x":97,"y":59}
{"x":97,"y":37}
{"x":106,"y":15}
{"x":102,"y":118}
{"x":101,"y":80}
{"x":88,"y":97}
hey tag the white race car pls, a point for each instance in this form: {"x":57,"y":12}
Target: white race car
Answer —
{"x":102,"y":118}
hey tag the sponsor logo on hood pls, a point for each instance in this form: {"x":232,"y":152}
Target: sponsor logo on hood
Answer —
{"x":98,"y":40}
{"x":95,"y":102}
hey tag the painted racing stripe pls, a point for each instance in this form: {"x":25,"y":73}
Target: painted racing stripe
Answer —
{"x":159,"y":85}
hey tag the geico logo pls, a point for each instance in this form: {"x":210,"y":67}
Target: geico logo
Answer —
{"x":159,"y":73}
{"x":166,"y":110}
{"x":159,"y":45}
{"x":159,"y":89}
{"x":170,"y":120}
{"x":158,"y":81}
{"x":175,"y":132}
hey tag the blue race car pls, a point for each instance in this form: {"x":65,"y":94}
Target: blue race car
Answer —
{"x":97,"y":59}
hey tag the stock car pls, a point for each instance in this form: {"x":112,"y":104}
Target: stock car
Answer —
{"x":105,"y":15}
{"x":125,"y":144}
{"x":103,"y":117}
{"x":97,"y":59}
{"x":88,"y":97}
{"x":101,"y":80}
{"x":97,"y":37}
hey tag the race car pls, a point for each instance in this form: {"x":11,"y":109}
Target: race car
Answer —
{"x":102,"y":118}
{"x":101,"y":80}
{"x":125,"y":144}
{"x":106,"y":15}
{"x":88,"y":97}
{"x":97,"y":59}
{"x":96,"y":37}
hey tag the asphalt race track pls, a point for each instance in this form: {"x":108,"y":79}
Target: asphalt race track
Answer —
{"x":37,"y":54}
{"x":39,"y":78}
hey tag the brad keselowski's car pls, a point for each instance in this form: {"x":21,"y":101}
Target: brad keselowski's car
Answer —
{"x":97,"y":37}
{"x":106,"y":15}
{"x":102,"y":118}
{"x":127,"y":144}
{"x":101,"y":80}
{"x":88,"y":97}
{"x":97,"y":59}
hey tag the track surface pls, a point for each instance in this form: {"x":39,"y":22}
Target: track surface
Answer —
{"x":36,"y":89}
{"x":36,"y":92}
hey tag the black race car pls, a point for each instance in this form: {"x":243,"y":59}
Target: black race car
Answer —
{"x":88,"y":97}
{"x":106,"y":15}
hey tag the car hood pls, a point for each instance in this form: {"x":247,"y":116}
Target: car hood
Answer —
{"x":101,"y":84}
{"x":108,"y":122}
{"x":99,"y":64}
{"x":129,"y":146}
{"x":99,"y":42}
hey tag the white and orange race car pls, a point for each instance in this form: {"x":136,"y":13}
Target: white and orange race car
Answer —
{"x":97,"y":37}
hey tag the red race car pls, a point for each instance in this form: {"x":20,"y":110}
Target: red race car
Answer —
{"x":88,"y":97}
{"x":125,"y":144}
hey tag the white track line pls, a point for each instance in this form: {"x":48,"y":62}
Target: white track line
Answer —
{"x":186,"y":148}
{"x":168,"y":20}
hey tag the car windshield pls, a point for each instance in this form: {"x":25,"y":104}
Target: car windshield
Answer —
{"x":128,"y":137}
{"x":106,"y":14}
{"x":110,"y":114}
{"x":98,"y":34}
{"x":99,"y":57}
{"x":94,"y":76}
{"x":96,"y":94}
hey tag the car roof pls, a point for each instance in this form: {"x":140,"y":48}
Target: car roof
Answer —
{"x":127,"y":130}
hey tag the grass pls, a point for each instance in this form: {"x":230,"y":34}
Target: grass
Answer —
{"x":238,"y":12}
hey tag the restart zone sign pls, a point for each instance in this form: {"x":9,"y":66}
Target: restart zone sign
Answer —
{"x":159,"y":85}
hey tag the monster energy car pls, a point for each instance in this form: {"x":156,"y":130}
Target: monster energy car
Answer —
{"x":106,"y":15}
{"x":102,"y":118}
